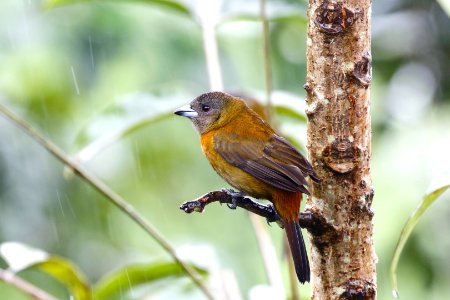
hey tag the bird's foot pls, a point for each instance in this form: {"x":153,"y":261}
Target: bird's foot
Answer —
{"x":235,"y":196}
{"x":273,"y":214}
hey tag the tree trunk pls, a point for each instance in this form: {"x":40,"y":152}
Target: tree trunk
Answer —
{"x":338,"y":79}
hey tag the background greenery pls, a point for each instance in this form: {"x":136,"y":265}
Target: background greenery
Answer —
{"x":81,"y":71}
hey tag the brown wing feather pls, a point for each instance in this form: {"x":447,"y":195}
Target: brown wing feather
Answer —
{"x":274,"y":161}
{"x":280,"y":147}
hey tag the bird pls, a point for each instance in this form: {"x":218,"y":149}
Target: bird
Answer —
{"x":248,"y":154}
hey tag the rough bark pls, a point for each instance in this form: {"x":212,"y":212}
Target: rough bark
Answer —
{"x":338,"y":79}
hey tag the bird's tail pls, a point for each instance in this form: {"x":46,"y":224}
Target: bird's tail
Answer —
{"x":298,"y":250}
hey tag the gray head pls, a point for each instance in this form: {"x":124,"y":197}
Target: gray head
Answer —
{"x":211,"y":110}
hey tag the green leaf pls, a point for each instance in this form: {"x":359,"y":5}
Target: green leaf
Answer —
{"x":68,"y":274}
{"x":178,"y":6}
{"x":133,"y":275}
{"x":122,"y":120}
{"x":435,"y":191}
{"x":290,"y":112}
{"x":108,"y":139}
{"x":289,"y":105}
{"x":19,"y":257}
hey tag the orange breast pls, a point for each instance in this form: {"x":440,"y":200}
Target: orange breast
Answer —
{"x":233,"y":175}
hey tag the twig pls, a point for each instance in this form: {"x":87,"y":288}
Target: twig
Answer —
{"x":295,"y":295}
{"x":208,"y":21}
{"x":267,"y":58}
{"x":224,"y":196}
{"x":308,"y":219}
{"x":105,"y":190}
{"x":26,"y":287}
{"x":269,"y":256}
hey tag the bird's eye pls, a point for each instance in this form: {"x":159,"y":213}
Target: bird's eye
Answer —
{"x":205,"y":107}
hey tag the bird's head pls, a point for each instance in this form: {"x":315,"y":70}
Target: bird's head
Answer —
{"x":211,"y":110}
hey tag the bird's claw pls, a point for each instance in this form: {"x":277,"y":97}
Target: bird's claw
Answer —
{"x":233,"y":204}
{"x":234,"y":197}
{"x":268,"y":220}
{"x":272,"y":215}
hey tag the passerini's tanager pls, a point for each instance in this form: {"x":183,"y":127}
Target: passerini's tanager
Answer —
{"x":245,"y":151}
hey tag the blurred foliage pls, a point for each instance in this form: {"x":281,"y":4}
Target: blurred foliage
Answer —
{"x":96,"y":68}
{"x":436,"y":190}
{"x":20,"y":257}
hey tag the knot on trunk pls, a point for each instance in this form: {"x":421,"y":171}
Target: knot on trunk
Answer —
{"x":315,"y":222}
{"x":363,"y":204}
{"x":357,"y":289}
{"x":333,"y":18}
{"x":339,"y":156}
{"x":363,"y":71}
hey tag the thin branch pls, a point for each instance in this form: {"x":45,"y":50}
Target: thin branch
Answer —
{"x":105,"y":190}
{"x":208,"y":20}
{"x":26,"y":287}
{"x":224,"y":196}
{"x":269,"y":256}
{"x":267,"y":58}
{"x":210,"y":48}
{"x":295,"y":294}
{"x":308,"y":219}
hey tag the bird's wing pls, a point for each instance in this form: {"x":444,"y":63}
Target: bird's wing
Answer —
{"x":273,"y":161}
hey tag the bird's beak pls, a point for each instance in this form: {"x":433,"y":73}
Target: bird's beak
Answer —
{"x":186,"y":111}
